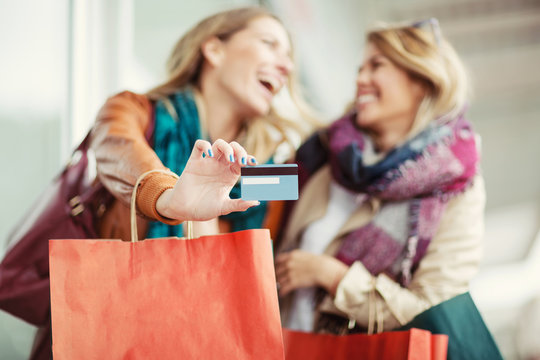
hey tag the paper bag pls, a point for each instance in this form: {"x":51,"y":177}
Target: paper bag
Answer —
{"x":399,"y":345}
{"x":212,"y":297}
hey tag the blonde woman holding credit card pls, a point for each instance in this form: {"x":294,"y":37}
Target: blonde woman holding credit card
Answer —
{"x":390,"y":217}
{"x":217,"y":101}
{"x":222,"y":78}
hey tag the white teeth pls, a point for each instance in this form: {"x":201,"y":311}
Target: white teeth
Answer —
{"x":362,"y":99}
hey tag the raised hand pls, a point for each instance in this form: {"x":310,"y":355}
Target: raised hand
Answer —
{"x":202,"y":191}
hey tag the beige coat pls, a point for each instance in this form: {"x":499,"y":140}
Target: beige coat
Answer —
{"x":451,"y":260}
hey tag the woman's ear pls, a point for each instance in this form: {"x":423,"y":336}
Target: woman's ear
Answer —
{"x":421,"y":87}
{"x":213,"y":51}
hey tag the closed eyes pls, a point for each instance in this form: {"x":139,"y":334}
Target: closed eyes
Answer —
{"x":270,"y":42}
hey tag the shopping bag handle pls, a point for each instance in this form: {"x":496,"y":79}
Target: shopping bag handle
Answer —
{"x":375,"y":312}
{"x":133,"y":213}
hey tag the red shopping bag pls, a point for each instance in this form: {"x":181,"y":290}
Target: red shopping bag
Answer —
{"x":212,"y":297}
{"x":412,"y":344}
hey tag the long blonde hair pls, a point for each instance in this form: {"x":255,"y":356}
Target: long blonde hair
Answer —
{"x":184,"y":68}
{"x":426,"y":56}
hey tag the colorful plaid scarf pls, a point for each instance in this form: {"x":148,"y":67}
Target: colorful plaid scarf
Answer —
{"x":414,"y":181}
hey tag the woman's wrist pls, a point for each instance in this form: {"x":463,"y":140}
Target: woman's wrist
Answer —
{"x":154,"y":196}
{"x":163,"y":207}
{"x":330,"y":273}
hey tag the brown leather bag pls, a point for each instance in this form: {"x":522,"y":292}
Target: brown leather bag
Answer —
{"x":67,"y":209}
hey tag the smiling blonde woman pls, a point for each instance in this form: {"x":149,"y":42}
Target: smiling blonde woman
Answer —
{"x":218,"y":101}
{"x":223,"y":75}
{"x":390,"y":216}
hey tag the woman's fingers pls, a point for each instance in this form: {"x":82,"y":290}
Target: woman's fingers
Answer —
{"x":252,"y":161}
{"x":295,"y":269}
{"x":223,"y":151}
{"x":285,"y":288}
{"x":281,"y":271}
{"x":285,"y":285}
{"x":231,"y":152}
{"x":283,"y":267}
{"x":238,"y":205}
{"x":210,"y":173}
{"x":285,"y":280}
{"x":282,"y":258}
{"x":201,"y":148}
{"x":240,"y":154}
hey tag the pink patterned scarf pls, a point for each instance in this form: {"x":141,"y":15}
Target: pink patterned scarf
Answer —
{"x":414,"y":182}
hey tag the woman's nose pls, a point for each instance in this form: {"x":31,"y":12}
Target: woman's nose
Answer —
{"x":362,"y":78}
{"x":285,"y":65}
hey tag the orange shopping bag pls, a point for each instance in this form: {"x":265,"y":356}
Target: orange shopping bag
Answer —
{"x":397,"y":345}
{"x":212,"y":297}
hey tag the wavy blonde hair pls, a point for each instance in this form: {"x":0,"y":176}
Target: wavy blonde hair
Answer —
{"x":184,"y":68}
{"x":426,"y":56}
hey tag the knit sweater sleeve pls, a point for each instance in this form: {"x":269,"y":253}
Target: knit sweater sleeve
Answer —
{"x":446,"y":270}
{"x":123,"y":153}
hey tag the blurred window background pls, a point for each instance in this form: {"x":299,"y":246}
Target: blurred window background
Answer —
{"x":62,"y":58}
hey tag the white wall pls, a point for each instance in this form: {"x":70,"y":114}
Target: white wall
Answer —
{"x":33,"y":79}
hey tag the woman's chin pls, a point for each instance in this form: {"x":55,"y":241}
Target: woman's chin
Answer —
{"x":361,"y":120}
{"x":260,"y":108}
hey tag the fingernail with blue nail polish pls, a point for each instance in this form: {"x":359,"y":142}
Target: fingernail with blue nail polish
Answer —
{"x":210,"y":153}
{"x":253,"y":161}
{"x":231,"y":158}
{"x":244,"y":161}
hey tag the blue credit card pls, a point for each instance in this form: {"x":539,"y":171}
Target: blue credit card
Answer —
{"x":269,"y":182}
